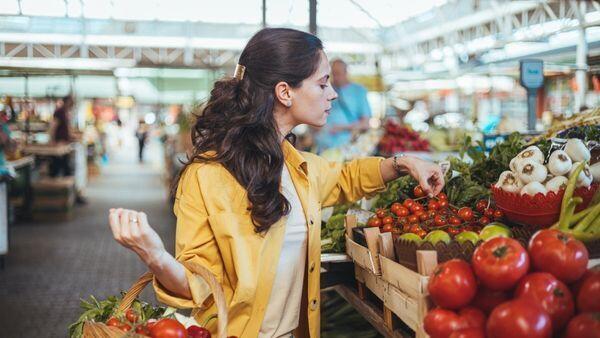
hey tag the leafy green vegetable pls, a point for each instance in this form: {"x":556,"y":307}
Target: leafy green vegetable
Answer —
{"x":397,"y":190}
{"x":332,"y":235}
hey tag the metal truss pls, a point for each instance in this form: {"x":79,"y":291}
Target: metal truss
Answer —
{"x":501,"y":22}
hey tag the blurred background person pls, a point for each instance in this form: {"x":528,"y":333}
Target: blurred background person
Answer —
{"x":142,"y":136}
{"x":60,"y":132}
{"x":350,"y":113}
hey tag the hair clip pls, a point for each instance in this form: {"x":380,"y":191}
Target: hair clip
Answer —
{"x":239,"y":72}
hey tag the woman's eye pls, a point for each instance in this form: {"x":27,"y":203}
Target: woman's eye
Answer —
{"x":323,"y":86}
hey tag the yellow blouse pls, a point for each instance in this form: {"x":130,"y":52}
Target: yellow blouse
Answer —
{"x":214,"y":228}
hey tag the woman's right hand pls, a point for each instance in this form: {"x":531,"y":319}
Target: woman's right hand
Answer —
{"x":131,"y":229}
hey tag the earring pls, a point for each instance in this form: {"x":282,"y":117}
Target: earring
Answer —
{"x":288,"y":104}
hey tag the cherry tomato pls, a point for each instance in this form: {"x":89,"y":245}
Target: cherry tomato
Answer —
{"x":443,"y":204}
{"x":452,"y":284}
{"x":381,"y":213}
{"x":465,"y":213}
{"x":406,"y":227}
{"x":431,"y":214}
{"x":484,"y":220}
{"x":142,"y":330}
{"x":418,"y":191}
{"x":112,"y":321}
{"x":132,"y":316}
{"x":408,"y":203}
{"x":519,"y":318}
{"x":498,"y":214}
{"x":558,"y":253}
{"x":402,"y":212}
{"x":402,"y":220}
{"x":453,"y":231}
{"x":421,"y":233}
{"x":551,"y":294}
{"x":439,"y":221}
{"x":395,"y":206}
{"x":374,"y":222}
{"x":442,"y":196}
{"x":500,"y":262}
{"x":454,"y":220}
{"x":387,"y":220}
{"x":124,"y":327}
{"x":433,"y":205}
{"x":489,"y":213}
{"x":414,"y":228}
{"x":416,"y":207}
{"x":387,"y":227}
{"x":481,"y":205}
{"x":413,"y":219}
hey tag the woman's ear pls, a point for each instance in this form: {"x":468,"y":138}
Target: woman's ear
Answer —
{"x":283,"y":94}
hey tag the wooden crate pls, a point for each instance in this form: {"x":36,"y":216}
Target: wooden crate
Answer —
{"x":402,"y":290}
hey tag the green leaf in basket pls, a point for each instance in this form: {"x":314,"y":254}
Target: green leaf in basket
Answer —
{"x":169,"y":312}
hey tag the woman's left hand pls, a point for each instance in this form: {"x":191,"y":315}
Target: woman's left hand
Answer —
{"x":428,"y":174}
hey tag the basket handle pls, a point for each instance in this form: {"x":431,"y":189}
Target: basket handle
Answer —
{"x":209,"y":277}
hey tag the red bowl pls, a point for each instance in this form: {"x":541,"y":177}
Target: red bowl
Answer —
{"x":539,"y":210}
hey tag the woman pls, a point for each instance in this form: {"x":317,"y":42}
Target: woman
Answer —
{"x":248,"y":204}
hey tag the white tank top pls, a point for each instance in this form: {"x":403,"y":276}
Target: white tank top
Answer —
{"x":283,"y":310}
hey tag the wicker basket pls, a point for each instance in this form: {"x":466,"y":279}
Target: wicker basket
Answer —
{"x":100,"y":330}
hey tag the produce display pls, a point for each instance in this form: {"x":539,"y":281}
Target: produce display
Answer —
{"x":507,"y":290}
{"x":141,"y":319}
{"x":399,"y":138}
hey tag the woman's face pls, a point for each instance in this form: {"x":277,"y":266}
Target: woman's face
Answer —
{"x":311,"y":101}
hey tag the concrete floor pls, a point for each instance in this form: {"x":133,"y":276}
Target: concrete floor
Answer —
{"x":51,"y":265}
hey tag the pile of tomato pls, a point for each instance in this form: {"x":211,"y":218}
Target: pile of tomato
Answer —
{"x":157,"y":328}
{"x":422,"y":214}
{"x":508,"y":291}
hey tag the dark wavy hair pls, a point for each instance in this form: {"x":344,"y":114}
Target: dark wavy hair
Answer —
{"x":238,"y":125}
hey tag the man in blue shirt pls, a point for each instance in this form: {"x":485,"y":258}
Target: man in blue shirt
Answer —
{"x":350,"y":112}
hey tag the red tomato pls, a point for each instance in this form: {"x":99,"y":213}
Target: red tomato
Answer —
{"x":489,"y":213}
{"x":374,"y":222}
{"x":387,"y":227}
{"x":418,"y":191}
{"x":519,"y":318}
{"x":395,"y":206}
{"x":484,"y":220}
{"x":452,"y":284}
{"x":473,"y":332}
{"x":577,"y":285}
{"x":551,"y":294}
{"x":442,"y":196}
{"x":481,"y":205}
{"x":432,"y":213}
{"x":433,"y":205}
{"x":408,"y":203}
{"x":168,"y":328}
{"x":415,"y":227}
{"x":132,"y":316}
{"x":124,"y":327}
{"x":443,"y":204}
{"x":112,"y":321}
{"x":381,"y":213}
{"x":387,"y":220}
{"x":402,"y":212}
{"x":413,"y":219}
{"x":421,"y":233}
{"x":423,"y":216}
{"x":465,"y":213}
{"x":588,"y":298}
{"x":142,"y":330}
{"x":498,"y":214}
{"x":559,"y":254}
{"x":440,"y":323}
{"x":500,"y":262}
{"x":473,"y":317}
{"x":195,"y":331}
{"x":453,"y":231}
{"x":454,"y":220}
{"x":416,"y":207}
{"x":584,"y":325}
{"x":151,"y":322}
{"x":439,"y":221}
{"x":486,"y":299}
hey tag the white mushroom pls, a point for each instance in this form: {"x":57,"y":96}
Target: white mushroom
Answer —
{"x":533,"y":188}
{"x":532,"y":153}
{"x":559,"y":163}
{"x":557,"y":183}
{"x":509,"y":182}
{"x":531,"y":171}
{"x":577,"y":150}
{"x":585,"y":178}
